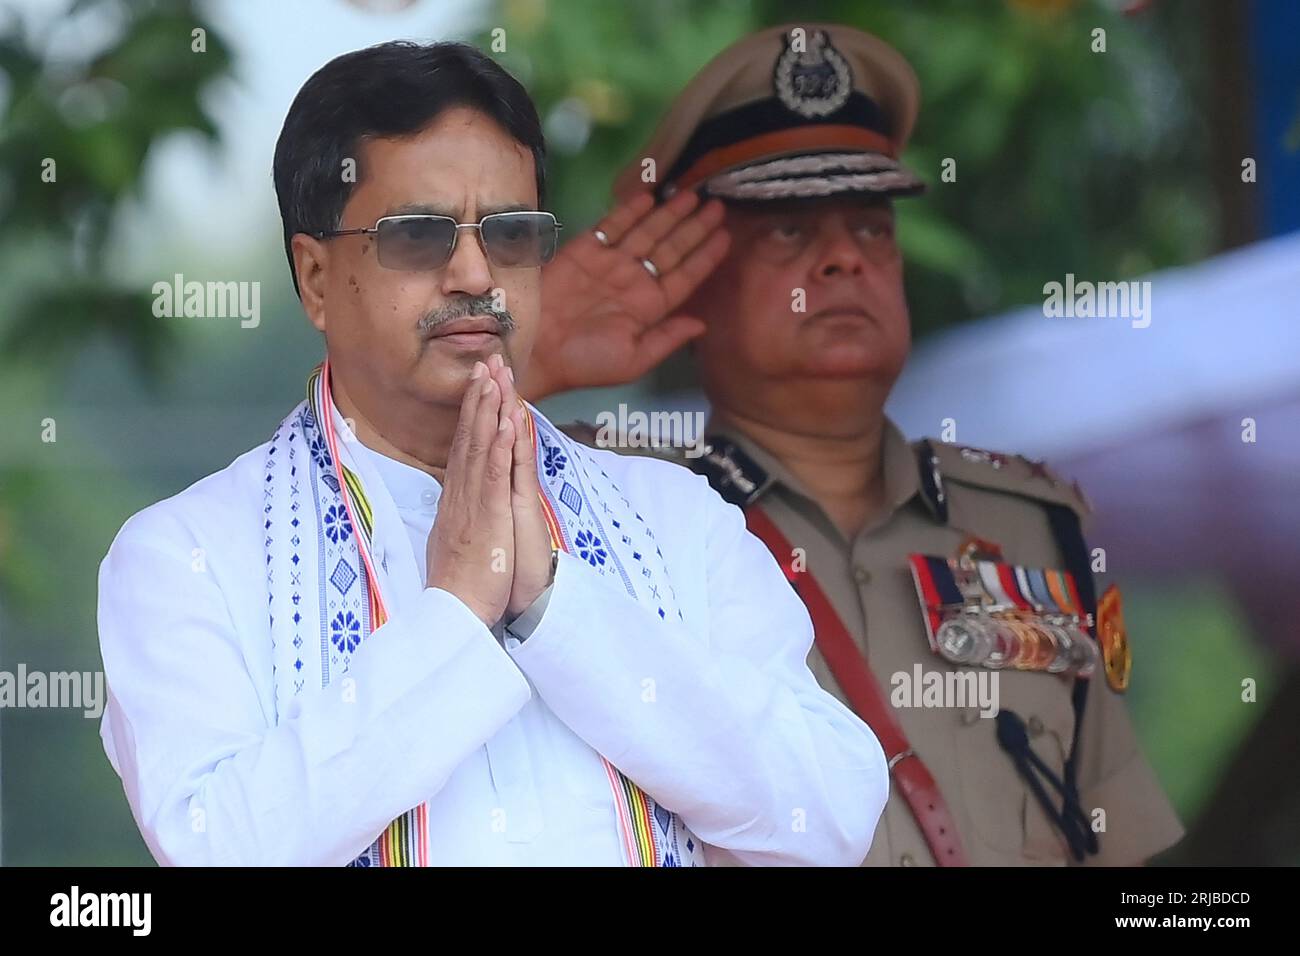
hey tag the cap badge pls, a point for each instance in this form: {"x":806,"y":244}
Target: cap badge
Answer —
{"x":813,"y":81}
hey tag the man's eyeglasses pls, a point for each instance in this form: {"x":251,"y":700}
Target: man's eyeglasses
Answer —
{"x":419,"y":242}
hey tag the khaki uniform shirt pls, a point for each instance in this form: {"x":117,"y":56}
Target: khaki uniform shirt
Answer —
{"x":868,"y":580}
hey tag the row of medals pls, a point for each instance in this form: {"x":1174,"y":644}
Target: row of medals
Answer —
{"x":1003,"y":637}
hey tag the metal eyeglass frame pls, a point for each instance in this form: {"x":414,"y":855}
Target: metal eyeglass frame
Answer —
{"x":374,"y":230}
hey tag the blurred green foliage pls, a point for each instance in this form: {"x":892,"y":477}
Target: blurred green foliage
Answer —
{"x":95,"y":120}
{"x":75,"y":134}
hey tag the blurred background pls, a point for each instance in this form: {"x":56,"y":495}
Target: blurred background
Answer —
{"x":1127,"y":164}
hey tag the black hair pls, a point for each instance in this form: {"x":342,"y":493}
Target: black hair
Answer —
{"x":389,"y":90}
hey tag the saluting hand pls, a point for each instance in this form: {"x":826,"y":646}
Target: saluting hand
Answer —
{"x":606,"y":317}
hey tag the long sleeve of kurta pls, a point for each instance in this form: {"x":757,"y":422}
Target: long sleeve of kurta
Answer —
{"x":731,"y":732}
{"x":213,"y":779}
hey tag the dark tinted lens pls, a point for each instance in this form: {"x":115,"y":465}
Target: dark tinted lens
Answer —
{"x":415,"y":243}
{"x":519,"y":238}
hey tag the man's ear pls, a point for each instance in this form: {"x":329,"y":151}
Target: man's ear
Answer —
{"x":311,"y":262}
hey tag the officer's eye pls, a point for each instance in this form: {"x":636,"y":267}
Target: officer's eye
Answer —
{"x":875,"y":230}
{"x":786,"y":231}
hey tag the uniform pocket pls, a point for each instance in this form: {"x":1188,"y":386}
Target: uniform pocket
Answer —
{"x":1051,"y":730}
{"x":1003,"y":812}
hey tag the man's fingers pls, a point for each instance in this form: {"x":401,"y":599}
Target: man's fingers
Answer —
{"x":695,"y":268}
{"x":647,"y":233}
{"x":524,"y":477}
{"x":626,"y":272}
{"x":513,"y":410}
{"x":482,"y":431}
{"x":523,"y":466}
{"x":496,"y":470}
{"x":464,"y":424}
{"x":664,"y":338}
{"x":690,"y":233}
{"x":623,"y":217}
{"x":505,"y":377}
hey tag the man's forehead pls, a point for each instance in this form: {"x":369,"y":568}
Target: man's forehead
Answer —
{"x":393,"y":180}
{"x":445,"y":144}
{"x":440,"y":199}
{"x":441,"y":207}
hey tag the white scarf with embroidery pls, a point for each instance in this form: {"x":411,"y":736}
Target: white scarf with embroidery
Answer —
{"x":326,"y":595}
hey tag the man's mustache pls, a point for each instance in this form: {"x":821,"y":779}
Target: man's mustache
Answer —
{"x":463,"y":308}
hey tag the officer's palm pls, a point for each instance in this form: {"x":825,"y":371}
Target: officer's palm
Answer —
{"x":605,"y":319}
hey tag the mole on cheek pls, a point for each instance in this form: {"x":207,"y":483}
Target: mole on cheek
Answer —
{"x":356,"y":286}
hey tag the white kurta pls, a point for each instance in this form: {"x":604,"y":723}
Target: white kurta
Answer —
{"x":717,"y":716}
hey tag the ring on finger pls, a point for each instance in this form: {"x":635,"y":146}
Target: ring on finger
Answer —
{"x":650,"y":267}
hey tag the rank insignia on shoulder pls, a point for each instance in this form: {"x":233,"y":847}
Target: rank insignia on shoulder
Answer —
{"x":1113,"y":638}
{"x":732,"y":474}
{"x":997,"y":471}
{"x":987,"y":613}
{"x":994,"y":458}
{"x":932,"y":491}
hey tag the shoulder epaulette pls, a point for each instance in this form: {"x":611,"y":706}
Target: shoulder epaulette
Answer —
{"x":731,"y":472}
{"x":1013,"y":474}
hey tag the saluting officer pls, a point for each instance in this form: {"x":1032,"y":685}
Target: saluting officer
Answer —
{"x":766,"y":216}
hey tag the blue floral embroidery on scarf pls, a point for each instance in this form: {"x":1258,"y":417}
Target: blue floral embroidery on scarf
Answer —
{"x":337,"y":525}
{"x":320,"y":452}
{"x":554,"y":460}
{"x":590,"y":548}
{"x":345,"y":631}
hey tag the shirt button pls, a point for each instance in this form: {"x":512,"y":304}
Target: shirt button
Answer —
{"x":1035,"y":726}
{"x":861,"y":574}
{"x":907,"y":860}
{"x":428,"y":497}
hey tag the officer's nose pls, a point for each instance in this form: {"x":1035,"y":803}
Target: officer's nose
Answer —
{"x":839,"y":253}
{"x":467,"y":271}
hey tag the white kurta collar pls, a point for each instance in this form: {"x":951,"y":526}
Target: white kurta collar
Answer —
{"x":410,"y":488}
